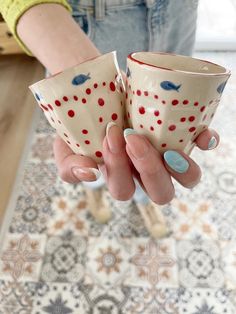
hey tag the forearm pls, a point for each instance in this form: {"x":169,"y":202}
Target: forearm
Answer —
{"x":54,"y":38}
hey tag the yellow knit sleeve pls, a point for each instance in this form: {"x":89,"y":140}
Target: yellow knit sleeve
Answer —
{"x":12,"y":10}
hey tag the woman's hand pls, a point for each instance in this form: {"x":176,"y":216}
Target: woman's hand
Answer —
{"x":120,"y":165}
{"x":139,"y":158}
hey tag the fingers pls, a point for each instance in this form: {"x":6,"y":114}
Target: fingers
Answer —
{"x":118,"y":171}
{"x":182,"y":168}
{"x":73,"y":168}
{"x":148,"y":162}
{"x":208,"y":139}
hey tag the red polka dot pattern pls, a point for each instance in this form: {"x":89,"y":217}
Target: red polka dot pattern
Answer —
{"x":100,"y":101}
{"x":175,"y":102}
{"x":152,"y":128}
{"x":159,"y":121}
{"x":191,"y":118}
{"x":145,"y":93}
{"x":71,"y":113}
{"x":65,"y":98}
{"x":112,"y":86}
{"x":182,"y":119}
{"x":196,"y":104}
{"x":98,"y":154}
{"x":75,"y":98}
{"x":138,"y":92}
{"x":84,"y":131}
{"x":114,"y":116}
{"x":57,"y":103}
{"x":95,"y":85}
{"x":192,"y":129}
{"x":141,"y":110}
{"x":156,"y":113}
{"x":172,"y":127}
{"x":88,"y":91}
{"x":87,"y":142}
{"x":50,"y":107}
{"x":163,"y":145}
{"x":44,"y":107}
{"x":202,"y":108}
{"x":185,"y":102}
{"x":84,"y":100}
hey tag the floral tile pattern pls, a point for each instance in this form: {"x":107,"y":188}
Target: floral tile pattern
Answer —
{"x":31,"y":214}
{"x":64,"y":258}
{"x":21,"y":257}
{"x":152,"y":300}
{"x":107,"y":261}
{"x":56,"y":299}
{"x":200,"y":264}
{"x":228,"y":250}
{"x":57,"y":259}
{"x":154,"y":263}
{"x":15,"y":297}
{"x":205,"y":301}
{"x":69,"y":214}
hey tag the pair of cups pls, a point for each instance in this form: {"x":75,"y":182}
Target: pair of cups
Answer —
{"x":168,"y":98}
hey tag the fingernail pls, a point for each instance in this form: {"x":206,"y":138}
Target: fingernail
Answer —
{"x":86,"y":174}
{"x":137,"y":145}
{"x":212,"y":143}
{"x":176,"y":161}
{"x":115,"y":145}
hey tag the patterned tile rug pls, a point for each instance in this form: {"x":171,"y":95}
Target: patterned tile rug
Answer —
{"x":56,"y":259}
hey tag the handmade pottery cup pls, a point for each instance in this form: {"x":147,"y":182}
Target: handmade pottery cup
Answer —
{"x":171,"y":98}
{"x":80,"y":101}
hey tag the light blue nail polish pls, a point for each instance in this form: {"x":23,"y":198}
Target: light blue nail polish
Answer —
{"x":212,"y":143}
{"x":129,"y":131}
{"x":176,"y":161}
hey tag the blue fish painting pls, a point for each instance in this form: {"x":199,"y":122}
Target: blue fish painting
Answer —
{"x":221,"y":87}
{"x":37,"y":96}
{"x":128,"y":73}
{"x":80,"y":79}
{"x":167,"y":85}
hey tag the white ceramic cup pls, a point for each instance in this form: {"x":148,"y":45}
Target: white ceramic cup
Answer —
{"x":80,"y":101}
{"x":172,"y":98}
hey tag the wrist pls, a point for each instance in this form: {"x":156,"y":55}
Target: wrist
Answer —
{"x":54,"y":38}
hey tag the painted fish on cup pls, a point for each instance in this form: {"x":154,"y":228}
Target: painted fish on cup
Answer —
{"x":221,"y":87}
{"x":167,"y":85}
{"x":128,"y":72}
{"x":80,"y":79}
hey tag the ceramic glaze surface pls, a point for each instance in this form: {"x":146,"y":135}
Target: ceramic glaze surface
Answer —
{"x":172,"y":105}
{"x":80,"y":101}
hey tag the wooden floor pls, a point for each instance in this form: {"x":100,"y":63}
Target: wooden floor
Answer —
{"x":16,"y":108}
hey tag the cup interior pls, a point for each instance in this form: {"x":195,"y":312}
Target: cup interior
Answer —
{"x":178,"y":63}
